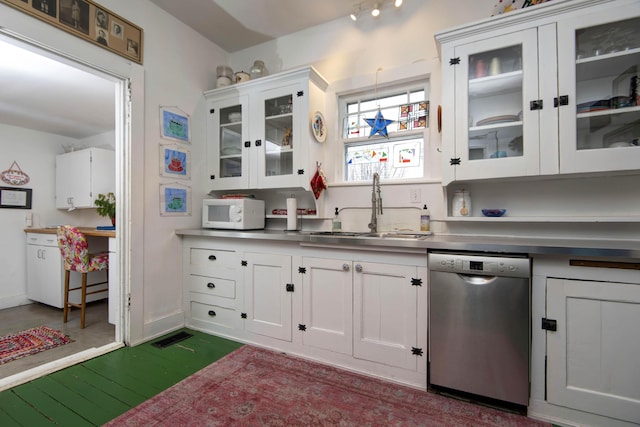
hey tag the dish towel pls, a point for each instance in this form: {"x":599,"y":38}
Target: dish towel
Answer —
{"x":318,"y":182}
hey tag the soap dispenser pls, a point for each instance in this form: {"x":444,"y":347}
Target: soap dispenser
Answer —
{"x":336,"y":224}
{"x":425,"y":219}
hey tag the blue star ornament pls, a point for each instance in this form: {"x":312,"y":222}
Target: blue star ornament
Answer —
{"x":379,"y":125}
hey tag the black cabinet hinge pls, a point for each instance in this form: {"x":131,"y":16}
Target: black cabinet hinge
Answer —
{"x":211,"y":111}
{"x":247,"y":144}
{"x":290,"y":287}
{"x":549,"y":324}
{"x":258,"y":142}
{"x":300,"y":93}
{"x":416,"y":351}
{"x":454,"y":61}
{"x":212,"y":177}
{"x":535,"y":104}
{"x":455,"y":161}
{"x":243,"y":315}
{"x":302,"y":270}
{"x":300,"y":171}
{"x":561,"y":100}
{"x":244,"y":263}
{"x":416,"y":282}
{"x":302,"y":327}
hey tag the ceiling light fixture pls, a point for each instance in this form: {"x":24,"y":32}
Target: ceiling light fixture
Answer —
{"x":375,"y":6}
{"x":355,"y":13}
{"x":376,"y":10}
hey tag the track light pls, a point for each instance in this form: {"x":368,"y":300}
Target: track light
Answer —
{"x":376,"y":10}
{"x":373,"y":5}
{"x":355,"y":13}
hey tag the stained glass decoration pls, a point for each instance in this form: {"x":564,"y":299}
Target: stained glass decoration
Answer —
{"x":379,"y":125}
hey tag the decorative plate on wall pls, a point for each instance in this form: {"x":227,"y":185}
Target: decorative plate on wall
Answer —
{"x":319,"y":127}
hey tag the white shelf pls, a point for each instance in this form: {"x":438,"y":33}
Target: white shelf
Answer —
{"x":581,"y":219}
{"x":494,"y":85}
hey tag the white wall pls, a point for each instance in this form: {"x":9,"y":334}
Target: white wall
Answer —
{"x":179,"y":65}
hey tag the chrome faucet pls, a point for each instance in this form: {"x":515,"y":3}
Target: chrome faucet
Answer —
{"x":376,"y":203}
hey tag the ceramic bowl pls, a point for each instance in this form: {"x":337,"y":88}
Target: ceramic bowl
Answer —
{"x":493,"y":212}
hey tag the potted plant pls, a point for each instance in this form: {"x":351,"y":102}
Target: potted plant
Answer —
{"x":106,"y":206}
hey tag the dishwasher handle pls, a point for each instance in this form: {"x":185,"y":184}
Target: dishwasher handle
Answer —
{"x":473,"y":279}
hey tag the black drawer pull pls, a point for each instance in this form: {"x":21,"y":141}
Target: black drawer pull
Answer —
{"x":212,"y":258}
{"x":212,"y":313}
{"x":210,"y":285}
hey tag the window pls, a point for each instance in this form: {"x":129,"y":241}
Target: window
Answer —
{"x":401,"y":155}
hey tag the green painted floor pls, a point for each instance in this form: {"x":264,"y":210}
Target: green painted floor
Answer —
{"x":98,"y":390}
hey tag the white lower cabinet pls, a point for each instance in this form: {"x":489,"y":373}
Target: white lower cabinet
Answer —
{"x":366,"y":312}
{"x":593,"y":358}
{"x":327,"y":297}
{"x":385,"y":313}
{"x":267,"y":298}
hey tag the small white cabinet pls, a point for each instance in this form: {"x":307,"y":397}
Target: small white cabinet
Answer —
{"x":542,"y":91}
{"x":385,"y":313}
{"x":592,"y":357}
{"x":268,"y":301}
{"x":259,"y":133}
{"x":82,"y":175}
{"x":45,"y":273}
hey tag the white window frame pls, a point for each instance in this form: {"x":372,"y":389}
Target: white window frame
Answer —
{"x":406,"y":86}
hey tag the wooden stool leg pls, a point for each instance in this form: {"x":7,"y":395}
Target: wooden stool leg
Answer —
{"x":66,"y":295}
{"x":83,"y":303}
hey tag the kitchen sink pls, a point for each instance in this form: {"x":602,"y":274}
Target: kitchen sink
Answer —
{"x":380,"y":235}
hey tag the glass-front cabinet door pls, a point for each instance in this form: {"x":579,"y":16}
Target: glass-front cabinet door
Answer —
{"x":599,"y":73}
{"x":230,"y":147}
{"x":279,"y":137}
{"x":496,"y":111}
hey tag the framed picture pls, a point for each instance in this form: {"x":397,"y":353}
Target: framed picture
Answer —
{"x":88,"y":20}
{"x":175,"y":200}
{"x":15,"y":198}
{"x":175,"y":162}
{"x":175,"y":124}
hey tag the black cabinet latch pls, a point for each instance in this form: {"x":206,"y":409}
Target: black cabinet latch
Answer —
{"x":302,"y":327}
{"x":302,"y":270}
{"x":535,"y":104}
{"x":243,"y":315}
{"x":561,"y":100}
{"x":549,"y":324}
{"x":243,"y":263}
{"x":289,"y":287}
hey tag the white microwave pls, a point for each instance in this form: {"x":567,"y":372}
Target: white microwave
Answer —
{"x":234,"y":214}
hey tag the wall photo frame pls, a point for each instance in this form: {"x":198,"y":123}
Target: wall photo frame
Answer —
{"x":175,"y":162}
{"x":175,"y":125}
{"x":89,"y":21}
{"x":175,"y":200}
{"x":15,"y":198}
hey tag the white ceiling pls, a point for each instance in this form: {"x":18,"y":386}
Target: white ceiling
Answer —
{"x":42,"y":94}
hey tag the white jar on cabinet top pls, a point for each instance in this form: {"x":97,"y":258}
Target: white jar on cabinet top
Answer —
{"x":461,"y":203}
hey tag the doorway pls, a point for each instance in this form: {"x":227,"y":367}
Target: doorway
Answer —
{"x":38,"y":109}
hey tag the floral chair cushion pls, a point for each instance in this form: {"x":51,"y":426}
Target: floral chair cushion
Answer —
{"x":75,"y":251}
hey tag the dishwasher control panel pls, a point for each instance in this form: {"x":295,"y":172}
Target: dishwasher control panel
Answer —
{"x":481,"y":264}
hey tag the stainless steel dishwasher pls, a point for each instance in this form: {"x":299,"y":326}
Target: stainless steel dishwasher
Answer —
{"x":479,"y":324}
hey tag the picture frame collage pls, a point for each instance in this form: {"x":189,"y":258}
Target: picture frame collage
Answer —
{"x":89,"y":21}
{"x":175,"y":161}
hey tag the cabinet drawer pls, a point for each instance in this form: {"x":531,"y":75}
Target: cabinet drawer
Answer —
{"x":42,"y":239}
{"x":212,"y":260}
{"x":214,"y":314}
{"x":214,"y":286}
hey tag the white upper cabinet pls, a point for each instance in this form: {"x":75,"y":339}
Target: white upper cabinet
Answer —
{"x":542,"y":91}
{"x":82,"y":175}
{"x":259,"y":133}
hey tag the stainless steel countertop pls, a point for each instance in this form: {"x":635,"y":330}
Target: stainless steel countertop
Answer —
{"x":528,"y":245}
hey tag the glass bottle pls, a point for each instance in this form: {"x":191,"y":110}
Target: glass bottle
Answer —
{"x":257,"y":69}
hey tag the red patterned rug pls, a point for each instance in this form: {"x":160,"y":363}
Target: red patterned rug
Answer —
{"x":257,"y":387}
{"x":31,"y":341}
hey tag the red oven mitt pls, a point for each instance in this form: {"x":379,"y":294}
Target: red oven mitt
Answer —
{"x":318,"y":182}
